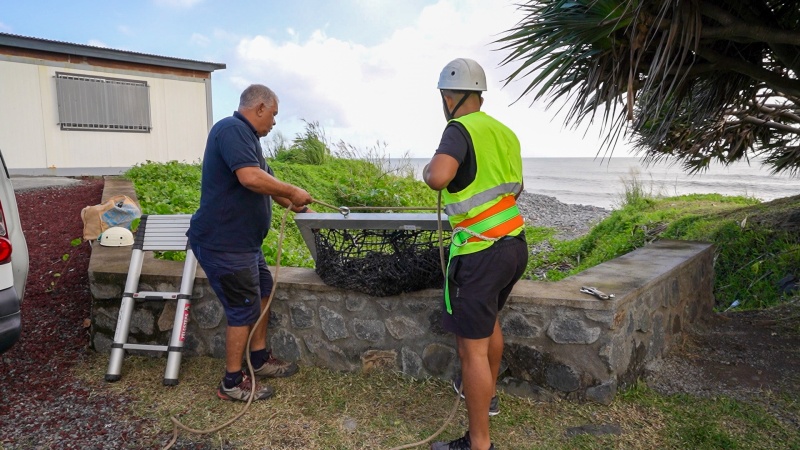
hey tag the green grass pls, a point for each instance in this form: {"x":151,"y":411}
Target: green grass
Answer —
{"x":321,"y":409}
{"x":363,"y":179}
{"x":754,"y":248}
{"x":756,"y":243}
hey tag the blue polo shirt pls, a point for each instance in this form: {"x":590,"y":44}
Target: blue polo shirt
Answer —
{"x":231,"y":217}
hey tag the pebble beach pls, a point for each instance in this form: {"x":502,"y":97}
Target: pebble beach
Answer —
{"x":570,"y":220}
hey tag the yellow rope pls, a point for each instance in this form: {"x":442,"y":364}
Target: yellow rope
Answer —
{"x":342,"y":209}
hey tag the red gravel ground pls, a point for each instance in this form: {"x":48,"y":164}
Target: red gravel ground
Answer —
{"x":41,"y":404}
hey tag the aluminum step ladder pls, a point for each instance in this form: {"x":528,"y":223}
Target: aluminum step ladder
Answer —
{"x":155,"y":233}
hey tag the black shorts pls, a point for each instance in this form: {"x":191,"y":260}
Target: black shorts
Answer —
{"x":479,"y":286}
{"x":240,"y":281}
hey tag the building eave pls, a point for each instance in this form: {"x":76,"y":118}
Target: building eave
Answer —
{"x":88,"y":51}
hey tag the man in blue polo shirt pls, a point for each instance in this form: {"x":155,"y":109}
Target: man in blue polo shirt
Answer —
{"x":228,"y":229}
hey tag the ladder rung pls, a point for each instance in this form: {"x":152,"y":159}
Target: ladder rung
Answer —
{"x":152,"y":348}
{"x":149,"y":295}
{"x":155,"y":233}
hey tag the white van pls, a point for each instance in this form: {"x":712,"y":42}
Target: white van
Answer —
{"x":13,"y":262}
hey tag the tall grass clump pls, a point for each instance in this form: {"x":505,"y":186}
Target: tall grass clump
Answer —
{"x":635,"y":192}
{"x":311,"y":147}
{"x":378,"y":181}
{"x":275,"y":144}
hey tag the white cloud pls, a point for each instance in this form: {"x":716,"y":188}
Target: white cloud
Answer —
{"x":177,"y":3}
{"x":5,"y":28}
{"x":199,"y":40}
{"x":387,"y":92}
{"x":124,"y":29}
{"x":226,"y":36}
{"x":97,"y":43}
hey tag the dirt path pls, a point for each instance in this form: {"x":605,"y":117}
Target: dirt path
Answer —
{"x":750,"y":355}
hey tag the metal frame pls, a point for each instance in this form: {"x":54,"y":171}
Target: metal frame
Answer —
{"x":365,"y":221}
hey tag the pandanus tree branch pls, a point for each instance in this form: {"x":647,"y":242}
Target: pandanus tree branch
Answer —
{"x":668,"y":73}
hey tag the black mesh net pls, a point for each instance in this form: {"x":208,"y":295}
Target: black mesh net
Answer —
{"x":380,"y":262}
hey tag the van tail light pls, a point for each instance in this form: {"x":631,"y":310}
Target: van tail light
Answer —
{"x":5,"y":250}
{"x":5,"y":244}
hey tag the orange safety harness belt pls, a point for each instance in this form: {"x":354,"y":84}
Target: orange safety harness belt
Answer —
{"x":490,"y":225}
{"x":494,"y":223}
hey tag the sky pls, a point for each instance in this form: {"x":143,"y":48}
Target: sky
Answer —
{"x":365,"y":70}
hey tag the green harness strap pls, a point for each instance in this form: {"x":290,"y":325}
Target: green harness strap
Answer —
{"x":461,"y":237}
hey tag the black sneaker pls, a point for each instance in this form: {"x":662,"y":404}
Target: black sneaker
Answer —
{"x":494,"y":405}
{"x":462,"y":443}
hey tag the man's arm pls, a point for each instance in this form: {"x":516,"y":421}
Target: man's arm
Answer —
{"x":261,"y":182}
{"x":440,"y":171}
{"x":285,"y":202}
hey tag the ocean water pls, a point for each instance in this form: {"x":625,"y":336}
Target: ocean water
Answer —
{"x":590,"y":181}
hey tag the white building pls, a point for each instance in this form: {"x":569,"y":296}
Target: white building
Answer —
{"x":71,"y":109}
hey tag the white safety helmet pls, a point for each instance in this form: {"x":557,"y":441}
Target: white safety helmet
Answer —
{"x":462,"y":74}
{"x":116,"y":237}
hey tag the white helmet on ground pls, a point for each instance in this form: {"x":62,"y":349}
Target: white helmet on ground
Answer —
{"x":116,"y":237}
{"x":462,"y":74}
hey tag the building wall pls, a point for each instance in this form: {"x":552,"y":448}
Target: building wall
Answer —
{"x":33,"y":142}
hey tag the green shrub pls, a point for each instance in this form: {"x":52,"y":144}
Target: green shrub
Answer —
{"x":166,"y":188}
{"x":753,"y":252}
{"x":634,"y":191}
{"x":174,"y":188}
{"x":755,"y":243}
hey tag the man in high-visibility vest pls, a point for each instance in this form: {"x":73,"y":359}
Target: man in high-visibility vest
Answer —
{"x":478,"y":169}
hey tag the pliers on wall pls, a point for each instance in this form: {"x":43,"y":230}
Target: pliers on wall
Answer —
{"x":596,"y":292}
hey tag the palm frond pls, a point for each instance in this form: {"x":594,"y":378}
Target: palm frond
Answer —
{"x":687,"y":80}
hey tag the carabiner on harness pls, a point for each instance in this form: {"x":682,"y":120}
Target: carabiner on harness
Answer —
{"x":344,"y":210}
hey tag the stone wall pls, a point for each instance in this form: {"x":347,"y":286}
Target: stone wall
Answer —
{"x":558,"y":341}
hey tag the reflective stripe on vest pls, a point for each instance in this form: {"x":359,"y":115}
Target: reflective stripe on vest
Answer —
{"x":464,"y":206}
{"x":494,"y":223}
{"x":490,"y":225}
